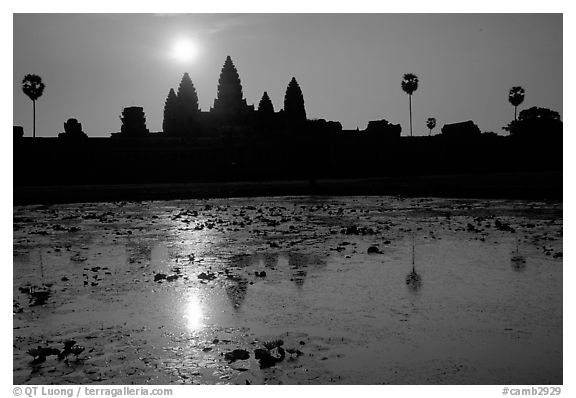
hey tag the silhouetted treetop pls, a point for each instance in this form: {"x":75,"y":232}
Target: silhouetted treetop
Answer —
{"x":516,"y":95}
{"x":32,"y":86}
{"x":536,"y":122}
{"x":294,"y":101}
{"x":230,"y":96}
{"x":536,"y":113}
{"x":187,"y":97}
{"x":410,"y":83}
{"x":265,"y":106}
{"x":431,"y":123}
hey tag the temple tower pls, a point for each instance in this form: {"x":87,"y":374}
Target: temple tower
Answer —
{"x":170,"y":123}
{"x":294,"y":102}
{"x":187,"y":97}
{"x":265,"y":107}
{"x":230,"y":101}
{"x":133,"y":122}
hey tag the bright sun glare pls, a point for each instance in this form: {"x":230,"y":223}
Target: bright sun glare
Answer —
{"x":184,"y":50}
{"x":193,"y":314}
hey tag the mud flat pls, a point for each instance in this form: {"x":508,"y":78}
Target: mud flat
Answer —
{"x":291,"y":290}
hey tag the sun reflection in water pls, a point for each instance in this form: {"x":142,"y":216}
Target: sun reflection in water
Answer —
{"x":193,"y":314}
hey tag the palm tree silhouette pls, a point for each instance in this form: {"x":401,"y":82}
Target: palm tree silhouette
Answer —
{"x":33,"y":87}
{"x":516,"y":97}
{"x":409,"y":85}
{"x":431,"y":123}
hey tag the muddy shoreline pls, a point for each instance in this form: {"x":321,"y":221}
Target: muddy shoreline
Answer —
{"x":531,"y":185}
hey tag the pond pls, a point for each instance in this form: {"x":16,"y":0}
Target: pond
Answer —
{"x":289,"y":290}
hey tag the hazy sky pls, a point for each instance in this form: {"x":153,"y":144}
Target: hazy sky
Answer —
{"x":349,"y":66}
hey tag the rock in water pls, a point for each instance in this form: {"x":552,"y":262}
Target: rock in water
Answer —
{"x":374,"y":250}
{"x":236,"y":355}
{"x":268,"y":358}
{"x":206,"y":276}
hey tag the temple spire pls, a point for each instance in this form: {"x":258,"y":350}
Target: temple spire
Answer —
{"x":170,"y":123}
{"x":294,"y":102}
{"x":187,"y":97}
{"x":230,"y":98}
{"x":265,"y":107}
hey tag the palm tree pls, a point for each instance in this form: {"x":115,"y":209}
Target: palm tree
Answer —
{"x":409,"y":85}
{"x":33,"y":87}
{"x":516,"y":97}
{"x":431,"y":123}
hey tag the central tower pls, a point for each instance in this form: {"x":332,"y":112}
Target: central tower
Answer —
{"x":230,"y":101}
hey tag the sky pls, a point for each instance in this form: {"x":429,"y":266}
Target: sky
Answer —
{"x":349,"y":66}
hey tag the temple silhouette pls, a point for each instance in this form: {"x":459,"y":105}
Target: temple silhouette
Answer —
{"x":229,"y":118}
{"x":235,"y":141}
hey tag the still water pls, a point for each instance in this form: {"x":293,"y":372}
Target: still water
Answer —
{"x":160,"y":292}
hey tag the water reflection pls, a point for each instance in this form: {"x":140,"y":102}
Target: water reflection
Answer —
{"x":357,"y":307}
{"x":236,"y":290}
{"x":270,"y":260}
{"x":139,"y":251}
{"x":300,"y":263}
{"x":517,"y":261}
{"x":193,"y":313}
{"x":293,"y":265}
{"x":262,"y":260}
{"x":413,"y":279}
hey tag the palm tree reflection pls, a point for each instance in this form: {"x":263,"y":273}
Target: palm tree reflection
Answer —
{"x":413,"y":279}
{"x":517,"y":260}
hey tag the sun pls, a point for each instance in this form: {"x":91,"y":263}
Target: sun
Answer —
{"x":184,"y":50}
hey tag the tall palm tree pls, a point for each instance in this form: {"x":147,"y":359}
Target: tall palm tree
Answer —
{"x":409,"y":85}
{"x":431,"y":123}
{"x":516,"y":97}
{"x":33,"y":87}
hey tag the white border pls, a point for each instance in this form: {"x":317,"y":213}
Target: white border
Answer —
{"x":230,"y":6}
